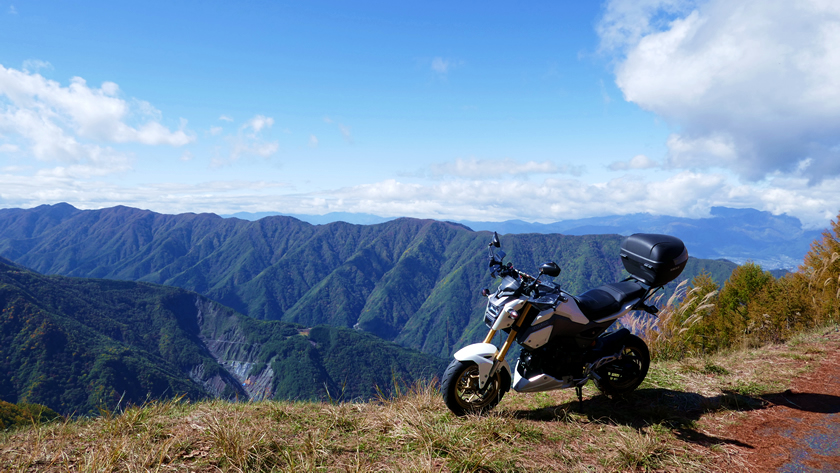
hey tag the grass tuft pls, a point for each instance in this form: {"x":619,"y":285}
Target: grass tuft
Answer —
{"x":667,"y":424}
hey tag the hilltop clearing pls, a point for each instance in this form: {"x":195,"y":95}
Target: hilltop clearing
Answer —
{"x":676,"y":421}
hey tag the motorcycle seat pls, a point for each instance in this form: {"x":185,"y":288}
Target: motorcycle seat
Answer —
{"x":608,"y":299}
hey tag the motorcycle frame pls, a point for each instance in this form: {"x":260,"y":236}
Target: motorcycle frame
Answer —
{"x":490,"y":359}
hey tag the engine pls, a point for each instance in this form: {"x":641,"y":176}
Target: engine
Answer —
{"x":557,"y":359}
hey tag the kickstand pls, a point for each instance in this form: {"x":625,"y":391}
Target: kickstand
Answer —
{"x":579,"y":391}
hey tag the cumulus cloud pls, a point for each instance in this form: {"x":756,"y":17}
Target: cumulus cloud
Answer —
{"x":265,"y":149}
{"x":752,"y":86}
{"x":258,"y":123}
{"x":74,"y":124}
{"x":687,"y":193}
{"x":639,"y":161}
{"x":249,"y":140}
{"x":91,"y":113}
{"x":626,"y":22}
{"x":480,"y":168}
{"x":556,"y":198}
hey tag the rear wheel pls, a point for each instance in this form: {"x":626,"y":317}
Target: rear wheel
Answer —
{"x":462,"y":394}
{"x":625,"y":374}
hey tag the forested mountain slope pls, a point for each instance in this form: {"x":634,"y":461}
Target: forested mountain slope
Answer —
{"x":76,"y":345}
{"x":413,"y":281}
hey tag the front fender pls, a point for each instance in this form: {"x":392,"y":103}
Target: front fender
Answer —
{"x":483,"y":354}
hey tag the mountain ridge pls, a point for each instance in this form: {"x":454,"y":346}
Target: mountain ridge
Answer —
{"x":76,"y":345}
{"x":413,"y":281}
{"x":776,"y":242}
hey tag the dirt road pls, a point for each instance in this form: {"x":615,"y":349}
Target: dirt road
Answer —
{"x":799,"y":431}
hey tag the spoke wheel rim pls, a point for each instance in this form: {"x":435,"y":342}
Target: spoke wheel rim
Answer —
{"x":624,"y":372}
{"x":467,"y":392}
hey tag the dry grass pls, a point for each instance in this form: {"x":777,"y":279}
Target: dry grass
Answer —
{"x":663,"y":426}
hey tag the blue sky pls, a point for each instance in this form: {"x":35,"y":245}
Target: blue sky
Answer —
{"x":448,"y":110}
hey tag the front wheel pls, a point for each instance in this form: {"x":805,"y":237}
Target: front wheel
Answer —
{"x":462,"y":394}
{"x":627,"y":373}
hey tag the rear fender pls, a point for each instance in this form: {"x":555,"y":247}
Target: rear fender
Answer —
{"x":483,"y":355}
{"x":613,"y":342}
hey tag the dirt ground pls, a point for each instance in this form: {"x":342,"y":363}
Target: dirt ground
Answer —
{"x":799,"y":431}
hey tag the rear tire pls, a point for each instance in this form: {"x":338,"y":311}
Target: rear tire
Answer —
{"x":461,"y":393}
{"x":624,"y":375}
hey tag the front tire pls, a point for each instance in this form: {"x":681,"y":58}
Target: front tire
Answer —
{"x":626,"y":374}
{"x":461,"y":393}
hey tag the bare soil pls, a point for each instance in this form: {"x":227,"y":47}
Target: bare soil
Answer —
{"x":799,"y":430}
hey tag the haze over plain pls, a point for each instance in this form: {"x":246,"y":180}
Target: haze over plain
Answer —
{"x":474,"y":111}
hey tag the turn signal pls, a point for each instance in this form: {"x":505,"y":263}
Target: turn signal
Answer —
{"x":513,"y":314}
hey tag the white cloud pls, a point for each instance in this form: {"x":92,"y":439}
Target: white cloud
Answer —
{"x":96,"y":114}
{"x":687,"y":193}
{"x":9,"y":148}
{"x":753,"y":86}
{"x":481,"y":168}
{"x":64,"y":185}
{"x":248,"y":141}
{"x":225,"y":118}
{"x":345,"y":132}
{"x":639,"y":161}
{"x":313,"y":141}
{"x":36,"y":65}
{"x":441,"y":65}
{"x":44,"y":120}
{"x":625,"y":22}
{"x":216,"y":130}
{"x":342,"y":128}
{"x":604,"y":95}
{"x":258,"y":123}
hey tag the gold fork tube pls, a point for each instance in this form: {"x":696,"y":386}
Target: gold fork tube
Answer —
{"x":489,"y":337}
{"x":501,"y":354}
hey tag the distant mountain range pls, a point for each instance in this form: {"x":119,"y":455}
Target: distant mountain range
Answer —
{"x":415,"y":282}
{"x":347,"y":217}
{"x":738,"y":235}
{"x":77,"y":345}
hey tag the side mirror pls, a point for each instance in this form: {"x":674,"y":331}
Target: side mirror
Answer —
{"x":550,"y":269}
{"x":496,"y":241}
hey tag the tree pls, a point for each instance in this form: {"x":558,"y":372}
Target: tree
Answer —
{"x":822,"y":269}
{"x":734,"y":322}
{"x":698,"y":313}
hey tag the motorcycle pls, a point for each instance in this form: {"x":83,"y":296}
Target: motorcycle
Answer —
{"x":564,"y":339}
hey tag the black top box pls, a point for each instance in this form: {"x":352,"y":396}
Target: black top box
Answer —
{"x":654,"y":259}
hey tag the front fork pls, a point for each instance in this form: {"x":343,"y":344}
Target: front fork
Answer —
{"x":488,"y":358}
